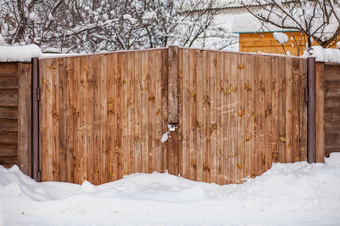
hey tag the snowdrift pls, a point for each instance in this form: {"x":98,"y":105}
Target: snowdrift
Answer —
{"x":295,"y":194}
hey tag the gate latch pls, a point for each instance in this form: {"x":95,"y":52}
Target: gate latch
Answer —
{"x":165,"y":136}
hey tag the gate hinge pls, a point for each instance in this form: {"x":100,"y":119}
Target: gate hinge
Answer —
{"x":37,"y":94}
{"x":38,"y":176}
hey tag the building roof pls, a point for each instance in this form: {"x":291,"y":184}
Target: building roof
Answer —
{"x":247,"y":23}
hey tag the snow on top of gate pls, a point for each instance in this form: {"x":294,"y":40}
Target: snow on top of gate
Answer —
{"x":19,"y":53}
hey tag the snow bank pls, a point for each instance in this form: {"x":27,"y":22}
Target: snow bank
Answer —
{"x":333,"y":160}
{"x":287,"y":194}
{"x":323,"y":55}
{"x":19,"y":53}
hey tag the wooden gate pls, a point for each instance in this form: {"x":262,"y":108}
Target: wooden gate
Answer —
{"x":102,"y":116}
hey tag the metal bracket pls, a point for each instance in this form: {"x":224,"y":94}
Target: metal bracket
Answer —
{"x":172,"y":127}
{"x":37,"y":95}
{"x":306,"y":95}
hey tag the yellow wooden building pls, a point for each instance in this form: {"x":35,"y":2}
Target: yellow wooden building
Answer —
{"x":266,"y":43}
{"x":257,"y":37}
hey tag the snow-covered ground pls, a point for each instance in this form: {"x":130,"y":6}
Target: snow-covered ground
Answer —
{"x":287,"y":194}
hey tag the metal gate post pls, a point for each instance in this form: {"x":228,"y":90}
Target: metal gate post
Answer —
{"x":311,"y":133}
{"x":35,"y":119}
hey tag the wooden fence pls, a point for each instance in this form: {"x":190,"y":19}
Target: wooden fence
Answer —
{"x":328,"y":109}
{"x":102,"y":116}
{"x":15,"y":116}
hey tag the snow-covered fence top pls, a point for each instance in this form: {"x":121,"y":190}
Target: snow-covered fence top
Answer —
{"x":19,"y":53}
{"x":323,"y":55}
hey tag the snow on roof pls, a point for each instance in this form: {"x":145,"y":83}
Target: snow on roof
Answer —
{"x":19,"y":53}
{"x":247,"y":23}
{"x":323,"y":55}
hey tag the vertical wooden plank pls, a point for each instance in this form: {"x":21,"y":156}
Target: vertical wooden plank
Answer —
{"x":104,"y":153}
{"x":232,"y":90}
{"x":227,"y":116}
{"x":206,"y":118}
{"x":77,"y":120}
{"x":303,"y":110}
{"x":130,"y":112}
{"x":78,"y":149}
{"x":259,"y":115}
{"x":42,"y":120}
{"x":219,"y":119}
{"x":113,"y":115}
{"x":55,"y":118}
{"x":47,"y":124}
{"x":138,"y":111}
{"x":158,"y":109}
{"x":289,"y":110}
{"x":199,"y":108}
{"x":240,"y":117}
{"x":185,"y":153}
{"x":213,"y":122}
{"x":62,"y":92}
{"x":89,"y":136}
{"x":295,"y":110}
{"x":164,"y":108}
{"x":282,"y":108}
{"x":253,"y":104}
{"x":118,"y":163}
{"x":152,"y":112}
{"x":97,"y":119}
{"x":71,"y":114}
{"x":145,"y":111}
{"x":268,"y":113}
{"x":191,"y":89}
{"x":249,"y":88}
{"x":319,"y":114}
{"x":172,"y":85}
{"x":24,"y":118}
{"x":180,"y":132}
{"x":84,"y":145}
{"x":53,"y":152}
{"x":173,"y":111}
{"x":275,"y":110}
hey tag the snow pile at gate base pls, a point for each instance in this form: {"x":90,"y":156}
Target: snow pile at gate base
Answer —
{"x":19,"y":53}
{"x":287,"y":194}
{"x":323,"y":55}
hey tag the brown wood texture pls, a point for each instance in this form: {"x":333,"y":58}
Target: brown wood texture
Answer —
{"x":15,"y":115}
{"x":330,"y":92}
{"x":173,"y":111}
{"x":9,"y":69}
{"x":8,"y":114}
{"x":319,"y":114}
{"x":25,"y":118}
{"x":239,"y":113}
{"x":103,"y":116}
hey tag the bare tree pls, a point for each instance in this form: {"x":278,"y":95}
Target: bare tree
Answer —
{"x":107,"y":25}
{"x":319,"y":20}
